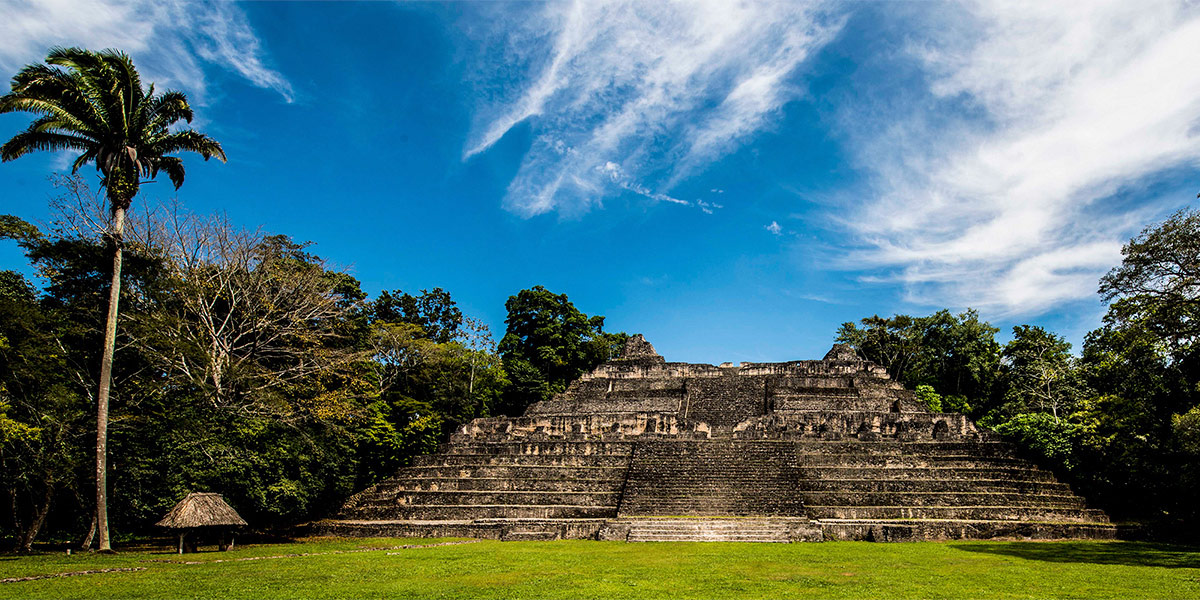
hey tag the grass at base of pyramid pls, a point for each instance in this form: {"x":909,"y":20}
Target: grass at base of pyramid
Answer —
{"x":425,"y":568}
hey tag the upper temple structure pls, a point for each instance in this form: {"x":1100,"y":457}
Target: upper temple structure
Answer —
{"x":641,"y":449}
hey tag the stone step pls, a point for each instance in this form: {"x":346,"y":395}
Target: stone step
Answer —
{"x":376,"y":502}
{"x":498,"y":511}
{"x":1004,"y":486}
{"x":714,"y":529}
{"x":709,"y":533}
{"x":614,"y":403}
{"x":516,"y":472}
{"x":505,"y":484}
{"x":909,"y":460}
{"x":992,"y":513}
{"x":692,"y":475}
{"x":788,"y":457}
{"x":789,"y":404}
{"x":529,"y":536}
{"x":474,"y":497}
{"x":831,"y":472}
{"x":730,"y":531}
{"x":711,"y":523}
{"x":769,"y":538}
{"x":894,"y":447}
{"x":805,"y":447}
{"x":657,"y":393}
{"x":691,"y":510}
{"x":555,"y":447}
{"x":805,"y":383}
{"x":832,"y":393}
{"x":698,"y":497}
{"x":569,"y":460}
{"x":495,"y":529}
{"x":932,"y":529}
{"x":917,"y":499}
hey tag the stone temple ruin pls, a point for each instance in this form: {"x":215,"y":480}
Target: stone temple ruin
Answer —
{"x":641,"y":449}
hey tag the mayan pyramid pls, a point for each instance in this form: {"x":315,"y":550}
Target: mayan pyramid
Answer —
{"x":641,"y":449}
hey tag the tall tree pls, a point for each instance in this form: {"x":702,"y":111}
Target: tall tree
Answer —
{"x":957,"y":355}
{"x":1158,"y":281}
{"x":45,"y":414}
{"x":94,"y":103}
{"x":549,"y":343}
{"x":1040,"y":373}
{"x":433,"y":310}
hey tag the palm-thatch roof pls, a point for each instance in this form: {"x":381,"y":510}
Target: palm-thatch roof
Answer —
{"x":201,"y":510}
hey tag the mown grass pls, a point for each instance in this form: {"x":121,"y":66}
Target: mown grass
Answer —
{"x":585,"y":569}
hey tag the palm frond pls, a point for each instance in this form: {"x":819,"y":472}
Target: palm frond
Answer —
{"x":57,"y":124}
{"x":13,"y":103}
{"x":188,"y":140}
{"x":94,"y":78}
{"x":130,"y":81}
{"x":84,"y":159}
{"x":57,"y":88}
{"x":162,"y":111}
{"x":172,"y":166}
{"x":36,"y":72}
{"x":30,"y":140}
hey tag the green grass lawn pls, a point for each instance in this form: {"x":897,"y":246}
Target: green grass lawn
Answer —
{"x":356,"y":568}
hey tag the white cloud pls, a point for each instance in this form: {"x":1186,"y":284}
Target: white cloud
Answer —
{"x":1012,"y":209}
{"x":657,"y":89}
{"x":165,"y":39}
{"x":774,"y":228}
{"x":616,"y":175}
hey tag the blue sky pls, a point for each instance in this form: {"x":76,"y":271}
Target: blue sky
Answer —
{"x":732,"y":180}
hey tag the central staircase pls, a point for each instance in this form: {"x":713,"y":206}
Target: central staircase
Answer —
{"x":710,"y":529}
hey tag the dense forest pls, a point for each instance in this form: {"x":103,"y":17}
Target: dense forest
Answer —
{"x":1120,"y":420}
{"x":244,"y":365}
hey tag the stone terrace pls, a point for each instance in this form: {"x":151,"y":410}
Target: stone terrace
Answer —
{"x":645,"y":450}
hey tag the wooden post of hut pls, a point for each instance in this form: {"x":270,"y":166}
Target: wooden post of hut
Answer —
{"x":202,"y":513}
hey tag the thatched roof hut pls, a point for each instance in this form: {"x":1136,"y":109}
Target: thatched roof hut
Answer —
{"x":202,"y":512}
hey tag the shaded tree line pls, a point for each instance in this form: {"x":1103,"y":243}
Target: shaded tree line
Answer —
{"x":1120,"y":420}
{"x":244,"y":364}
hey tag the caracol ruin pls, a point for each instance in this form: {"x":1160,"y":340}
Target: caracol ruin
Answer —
{"x":642,"y":449}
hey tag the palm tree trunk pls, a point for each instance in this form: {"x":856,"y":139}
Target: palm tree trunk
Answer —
{"x":110,"y":343}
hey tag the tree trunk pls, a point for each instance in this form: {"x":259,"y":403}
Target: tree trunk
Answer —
{"x":39,"y":518}
{"x":14,"y":508}
{"x":86,"y":542}
{"x":471,"y":382}
{"x":110,"y":343}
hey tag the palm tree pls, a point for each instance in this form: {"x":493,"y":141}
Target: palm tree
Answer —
{"x":93,"y":103}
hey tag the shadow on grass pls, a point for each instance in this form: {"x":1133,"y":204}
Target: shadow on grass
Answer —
{"x":1106,"y":553}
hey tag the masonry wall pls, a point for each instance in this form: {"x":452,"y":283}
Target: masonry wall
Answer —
{"x":724,"y":401}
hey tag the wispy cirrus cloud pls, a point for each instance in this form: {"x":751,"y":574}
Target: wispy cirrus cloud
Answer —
{"x":1014,"y":206}
{"x":637,"y":95}
{"x":170,"y":41}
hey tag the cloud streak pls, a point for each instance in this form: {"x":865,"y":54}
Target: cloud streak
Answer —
{"x":170,"y":41}
{"x":651,"y":92}
{"x":1015,"y":207}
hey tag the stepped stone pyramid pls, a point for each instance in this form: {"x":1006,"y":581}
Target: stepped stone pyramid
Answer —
{"x":641,"y":449}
